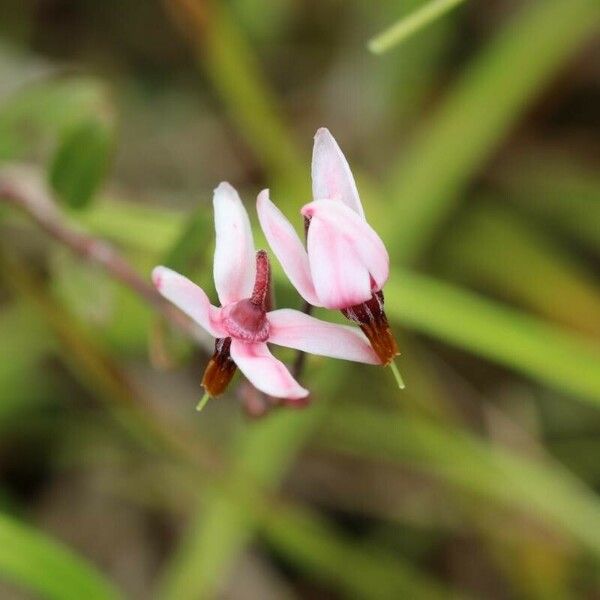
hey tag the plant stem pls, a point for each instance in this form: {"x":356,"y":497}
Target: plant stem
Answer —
{"x":23,"y":188}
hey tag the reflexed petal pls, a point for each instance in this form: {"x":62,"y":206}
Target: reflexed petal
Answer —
{"x":294,"y":329}
{"x":331,"y":175}
{"x":264,"y":371}
{"x":286,"y":245}
{"x":234,"y":264}
{"x":340,"y":226}
{"x":189,"y":298}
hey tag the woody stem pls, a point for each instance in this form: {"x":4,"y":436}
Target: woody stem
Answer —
{"x":25,"y":190}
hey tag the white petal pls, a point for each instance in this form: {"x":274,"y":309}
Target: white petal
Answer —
{"x":286,"y":245}
{"x":264,"y":371}
{"x":339,"y":276}
{"x":189,"y":298}
{"x":234,"y":265}
{"x":340,"y":226}
{"x":331,"y":175}
{"x":294,"y":329}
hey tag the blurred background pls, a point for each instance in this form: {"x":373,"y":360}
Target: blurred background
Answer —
{"x":476,"y":149}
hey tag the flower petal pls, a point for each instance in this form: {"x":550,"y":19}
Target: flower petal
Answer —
{"x":331,"y":175}
{"x":189,"y":298}
{"x":286,"y":245}
{"x":234,"y":264}
{"x":294,"y":329}
{"x":264,"y":371}
{"x":337,"y":234}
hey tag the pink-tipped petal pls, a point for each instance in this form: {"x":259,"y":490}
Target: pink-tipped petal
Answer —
{"x":332,"y":178}
{"x":234,"y":264}
{"x":338,"y":229}
{"x":264,"y":371}
{"x":297,"y":330}
{"x":286,"y":245}
{"x":189,"y":298}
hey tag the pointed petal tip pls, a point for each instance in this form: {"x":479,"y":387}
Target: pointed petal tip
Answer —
{"x":157,"y":276}
{"x":224,"y":187}
{"x":307,"y":210}
{"x":263,"y":197}
{"x":322,"y":132}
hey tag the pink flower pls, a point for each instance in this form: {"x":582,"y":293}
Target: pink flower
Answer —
{"x":245,"y":322}
{"x":345,"y":263}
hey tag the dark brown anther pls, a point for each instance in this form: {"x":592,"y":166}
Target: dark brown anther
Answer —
{"x":371,"y":318}
{"x":220,"y":368}
{"x":306,"y":226}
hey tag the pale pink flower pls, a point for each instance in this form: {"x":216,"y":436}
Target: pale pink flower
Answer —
{"x":245,"y":322}
{"x":345,"y":263}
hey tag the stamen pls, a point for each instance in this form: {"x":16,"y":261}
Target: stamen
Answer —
{"x":372,"y":319}
{"x":220,"y":369}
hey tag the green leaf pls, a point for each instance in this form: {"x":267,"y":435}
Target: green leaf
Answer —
{"x":563,"y":194}
{"x":81,"y":162}
{"x":359,"y":570}
{"x":35,"y":112}
{"x":42,"y":565}
{"x":494,"y":248}
{"x":543,"y":489}
{"x":223,"y":525}
{"x":477,"y":113}
{"x":491,"y":330}
{"x":411,"y":24}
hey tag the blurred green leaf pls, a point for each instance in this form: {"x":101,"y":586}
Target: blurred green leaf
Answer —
{"x":262,"y":454}
{"x":411,"y":24}
{"x":37,"y":111}
{"x":481,"y":108}
{"x":40,"y":564}
{"x":194,"y":244}
{"x":231,"y":64}
{"x":542,"y":489}
{"x":564,"y":195}
{"x":494,"y":248}
{"x":24,"y":345}
{"x":81,"y":162}
{"x":147,"y":228}
{"x":496,"y":332}
{"x":357,"y":569}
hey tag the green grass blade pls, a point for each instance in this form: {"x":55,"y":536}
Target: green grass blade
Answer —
{"x":493,"y":248}
{"x":496,"y":332}
{"x":360,"y":571}
{"x":542,"y":489}
{"x":411,"y":24}
{"x":223,"y":526}
{"x":44,"y":566}
{"x":230,"y":63}
{"x":478,"y":113}
{"x":564,"y":195}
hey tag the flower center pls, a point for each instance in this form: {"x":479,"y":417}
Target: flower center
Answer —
{"x":247,"y":319}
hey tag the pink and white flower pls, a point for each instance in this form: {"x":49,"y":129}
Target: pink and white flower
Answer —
{"x":244,"y":322}
{"x":345,"y":263}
